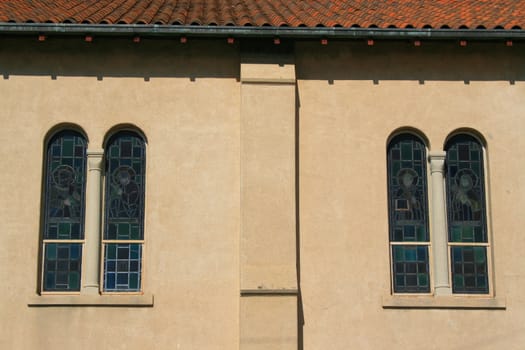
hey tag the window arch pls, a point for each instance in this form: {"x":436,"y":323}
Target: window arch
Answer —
{"x":123,"y":239}
{"x":466,"y":215}
{"x":408,"y":214}
{"x":64,"y":210}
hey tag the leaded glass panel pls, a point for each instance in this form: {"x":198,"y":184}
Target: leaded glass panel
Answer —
{"x":410,"y":268}
{"x":465,"y":190}
{"x":64,"y":192}
{"x":62,"y":266}
{"x":65,"y":186}
{"x":466,"y":215}
{"x":124,"y":213}
{"x":122,"y":267}
{"x":408,"y":214}
{"x":125,"y":157}
{"x":407,"y":189}
{"x":469,"y":269}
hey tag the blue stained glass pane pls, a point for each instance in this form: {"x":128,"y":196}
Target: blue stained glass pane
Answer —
{"x":119,"y":268}
{"x":109,"y":281}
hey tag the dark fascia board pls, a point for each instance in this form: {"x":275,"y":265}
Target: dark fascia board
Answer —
{"x":254,"y":32}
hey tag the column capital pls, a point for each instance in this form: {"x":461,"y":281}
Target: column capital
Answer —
{"x":437,"y":161}
{"x":95,"y":158}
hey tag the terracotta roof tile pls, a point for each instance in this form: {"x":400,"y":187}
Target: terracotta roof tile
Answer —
{"x":454,"y":14}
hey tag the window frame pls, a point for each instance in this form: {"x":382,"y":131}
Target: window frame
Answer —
{"x":45,"y":242}
{"x":105,"y":242}
{"x":427,"y":220}
{"x":486,"y":212}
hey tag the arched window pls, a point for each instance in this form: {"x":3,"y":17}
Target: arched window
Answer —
{"x":408,"y":214}
{"x":466,"y":214}
{"x":124,"y":212}
{"x":64,"y":205}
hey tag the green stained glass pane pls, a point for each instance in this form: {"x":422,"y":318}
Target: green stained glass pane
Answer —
{"x":49,"y":279}
{"x":51,"y":251}
{"x":135,"y":231}
{"x":123,"y":230}
{"x":480,"y":255}
{"x":396,"y":167}
{"x":468,"y":234}
{"x":421,"y":234}
{"x":74,"y":280}
{"x":133,"y":281}
{"x":452,"y":155}
{"x":67,"y":148}
{"x":478,"y":234}
{"x":458,"y":281}
{"x":474,"y":154}
{"x":114,"y":151}
{"x":456,"y":234}
{"x":406,"y":164}
{"x":64,"y":230}
{"x":399,"y":254}
{"x":406,"y":151}
{"x":111,"y":251}
{"x":422,"y":279}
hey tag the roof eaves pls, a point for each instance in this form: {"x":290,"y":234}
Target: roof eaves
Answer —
{"x":253,"y":32}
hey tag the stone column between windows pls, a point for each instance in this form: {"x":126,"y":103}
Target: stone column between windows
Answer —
{"x":91,"y":254}
{"x":268,"y":274}
{"x":439,"y":224}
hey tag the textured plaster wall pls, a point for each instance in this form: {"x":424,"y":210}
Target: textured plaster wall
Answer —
{"x":187,"y":101}
{"x":187,"y":105}
{"x":352,"y":97}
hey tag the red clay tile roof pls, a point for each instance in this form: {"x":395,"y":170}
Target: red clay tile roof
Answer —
{"x":454,"y":14}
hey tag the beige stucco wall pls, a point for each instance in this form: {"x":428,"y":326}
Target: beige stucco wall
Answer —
{"x":188,"y":109}
{"x":187,"y":100}
{"x":348,"y":110}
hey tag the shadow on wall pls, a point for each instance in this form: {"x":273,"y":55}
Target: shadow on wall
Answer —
{"x":118,"y":57}
{"x":401,"y":60}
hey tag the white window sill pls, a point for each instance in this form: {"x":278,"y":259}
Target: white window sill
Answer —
{"x":442,"y":302}
{"x":108,"y":300}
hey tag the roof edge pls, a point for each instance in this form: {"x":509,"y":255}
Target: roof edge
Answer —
{"x":253,"y":32}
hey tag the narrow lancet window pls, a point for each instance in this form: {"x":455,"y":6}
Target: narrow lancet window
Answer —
{"x":408,"y":214}
{"x":466,"y":214}
{"x":124,"y":212}
{"x":63,"y":224}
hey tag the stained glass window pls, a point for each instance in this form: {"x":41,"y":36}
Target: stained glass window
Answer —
{"x":466,"y":213}
{"x":63,"y":234}
{"x":408,"y":214}
{"x":124,"y":212}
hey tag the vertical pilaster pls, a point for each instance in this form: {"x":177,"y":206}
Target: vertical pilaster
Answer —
{"x":439,"y":224}
{"x":268,"y":304}
{"x":90,"y":278}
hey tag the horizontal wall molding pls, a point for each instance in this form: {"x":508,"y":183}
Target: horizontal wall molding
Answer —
{"x":104,"y":300}
{"x":269,"y":292}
